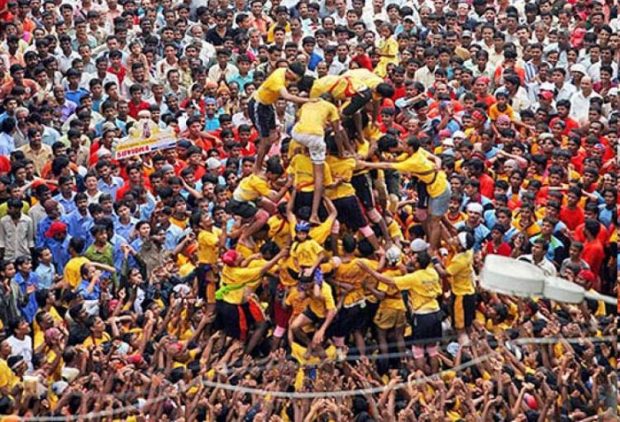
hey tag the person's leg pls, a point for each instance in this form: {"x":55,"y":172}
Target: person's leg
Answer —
{"x":296,"y":332}
{"x":433,"y":354}
{"x":256,"y":337}
{"x":317,"y":170}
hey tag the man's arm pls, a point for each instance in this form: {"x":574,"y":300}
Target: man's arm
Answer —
{"x":284,"y":94}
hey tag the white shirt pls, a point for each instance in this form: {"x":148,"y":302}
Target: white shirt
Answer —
{"x":545,"y":265}
{"x":22,"y":348}
{"x":580,"y":105}
{"x":566,"y":92}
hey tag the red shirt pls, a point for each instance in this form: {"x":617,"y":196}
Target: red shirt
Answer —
{"x":603,"y":234}
{"x":487,"y":185}
{"x":120,"y":73}
{"x":572,"y":218}
{"x":504,"y":249}
{"x":594,"y":254}
{"x":134,"y":108}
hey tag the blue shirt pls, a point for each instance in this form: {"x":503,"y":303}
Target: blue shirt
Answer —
{"x":173,"y":236}
{"x":124,"y":230}
{"x":82,"y":290}
{"x":111,"y":188}
{"x":554,"y":245}
{"x":79,"y":225}
{"x":606,"y":215}
{"x":75,"y":96}
{"x":67,"y":204}
{"x":480,"y":234}
{"x":315,"y":59}
{"x":46,"y":274}
{"x":7,"y":144}
{"x":60,"y":252}
{"x":212,"y":124}
{"x":31,"y":308}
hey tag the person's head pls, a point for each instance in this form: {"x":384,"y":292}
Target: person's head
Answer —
{"x":539,"y":248}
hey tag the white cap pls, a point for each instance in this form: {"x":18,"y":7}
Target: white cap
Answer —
{"x":213,"y":163}
{"x":475,"y":207}
{"x":578,"y":68}
{"x":459,"y":134}
{"x":419,"y":245}
{"x":393,"y":254}
{"x":69,"y":374}
{"x":613,"y":91}
{"x":547,"y":86}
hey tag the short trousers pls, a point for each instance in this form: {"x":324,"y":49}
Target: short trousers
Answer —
{"x":358,"y":101}
{"x":304,"y":199}
{"x":348,"y":320}
{"x":463,"y":310}
{"x":243,"y":209}
{"x":427,"y":327}
{"x":206,"y":287}
{"x":388,"y":318}
{"x":262,"y":116}
{"x":439,"y":206}
{"x":316,"y":320}
{"x":350,"y":212}
{"x":237,"y":320}
{"x":314,"y":143}
{"x":362,"y":185}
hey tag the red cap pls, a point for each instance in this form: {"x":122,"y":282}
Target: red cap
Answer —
{"x":546,"y":95}
{"x":230,"y":257}
{"x":587,"y":275}
{"x":57,"y":227}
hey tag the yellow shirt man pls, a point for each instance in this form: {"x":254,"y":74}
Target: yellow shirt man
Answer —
{"x":351,"y":273}
{"x":208,"y":242}
{"x":365,"y":77}
{"x":461,"y":271}
{"x":418,"y":164}
{"x":72,"y":272}
{"x":251,"y":188}
{"x":341,"y":168}
{"x":321,"y":305}
{"x":340,"y":87}
{"x":236,"y":279}
{"x":313,"y":117}
{"x":269,"y":91}
{"x":424,"y":287}
{"x":301,"y":169}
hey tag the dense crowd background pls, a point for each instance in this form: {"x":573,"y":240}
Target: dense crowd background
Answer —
{"x":340,"y":172}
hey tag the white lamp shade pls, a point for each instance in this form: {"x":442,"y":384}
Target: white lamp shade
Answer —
{"x":508,"y":276}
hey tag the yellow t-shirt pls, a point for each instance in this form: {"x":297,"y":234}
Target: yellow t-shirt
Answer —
{"x":352,"y":274}
{"x":394,"y":231}
{"x":208,"y":246}
{"x":237,"y":279}
{"x":424,"y":287}
{"x":269,"y":91}
{"x":7,"y":377}
{"x":340,"y":87}
{"x":365,"y":77}
{"x":279,"y":230}
{"x":462,"y":273}
{"x":272,"y":28}
{"x":305,"y":253}
{"x":300,"y":168}
{"x":182,"y":224}
{"x":314,"y":117}
{"x":251,"y":188}
{"x":296,"y":300}
{"x":341,"y":168}
{"x":418,"y":164}
{"x":393,"y":298}
{"x":91,"y":340}
{"x":72,"y":271}
{"x":319,"y":306}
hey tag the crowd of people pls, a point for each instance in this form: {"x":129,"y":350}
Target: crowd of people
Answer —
{"x":307,"y":243}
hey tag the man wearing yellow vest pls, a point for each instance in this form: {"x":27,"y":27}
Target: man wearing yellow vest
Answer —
{"x":261,"y":106}
{"x":424,"y":288}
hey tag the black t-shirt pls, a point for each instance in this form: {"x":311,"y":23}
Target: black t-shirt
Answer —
{"x":213,"y":37}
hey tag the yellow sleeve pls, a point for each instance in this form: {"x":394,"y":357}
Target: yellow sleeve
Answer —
{"x":334,"y":115}
{"x":330,"y":304}
{"x":406,"y":282}
{"x":457,"y":265}
{"x":260,"y":185}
